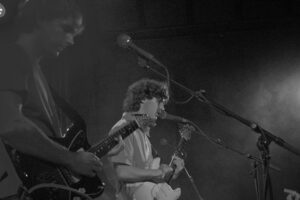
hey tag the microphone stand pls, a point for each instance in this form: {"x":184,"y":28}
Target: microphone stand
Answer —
{"x":264,"y":140}
{"x":256,"y":179}
{"x":193,"y":184}
{"x":256,"y":163}
{"x":187,"y":173}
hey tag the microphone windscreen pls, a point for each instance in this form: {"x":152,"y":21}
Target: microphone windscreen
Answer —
{"x":123,"y":40}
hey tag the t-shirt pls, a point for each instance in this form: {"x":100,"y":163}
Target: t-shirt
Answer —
{"x":19,"y":75}
{"x":137,"y":153}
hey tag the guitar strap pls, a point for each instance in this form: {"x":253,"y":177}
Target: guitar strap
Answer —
{"x":68,"y":110}
{"x":154,"y":151}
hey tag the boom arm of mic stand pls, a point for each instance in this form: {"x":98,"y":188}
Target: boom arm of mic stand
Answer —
{"x":220,"y":143}
{"x":266,"y":135}
{"x":143,"y":63}
{"x":202,"y":97}
{"x":255,"y":127}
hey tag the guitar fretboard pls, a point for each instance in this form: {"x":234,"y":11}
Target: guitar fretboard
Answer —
{"x":179,"y":148}
{"x":103,"y":147}
{"x":177,"y":153}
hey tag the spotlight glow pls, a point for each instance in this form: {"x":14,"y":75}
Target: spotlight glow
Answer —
{"x":2,"y":10}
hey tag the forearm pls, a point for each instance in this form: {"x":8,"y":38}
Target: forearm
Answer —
{"x":30,"y":140}
{"x":131,"y":174}
{"x":24,"y":135}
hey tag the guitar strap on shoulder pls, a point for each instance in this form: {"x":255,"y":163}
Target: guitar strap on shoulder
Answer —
{"x":68,"y":110}
{"x":154,"y":151}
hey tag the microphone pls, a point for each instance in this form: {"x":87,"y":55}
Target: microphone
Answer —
{"x":125,"y":41}
{"x":164,"y":115}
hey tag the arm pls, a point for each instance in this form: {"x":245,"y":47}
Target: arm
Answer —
{"x":123,"y":163}
{"x":26,"y":137}
{"x":131,"y":174}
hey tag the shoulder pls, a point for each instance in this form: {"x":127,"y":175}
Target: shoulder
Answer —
{"x":131,"y":138}
{"x":121,"y":123}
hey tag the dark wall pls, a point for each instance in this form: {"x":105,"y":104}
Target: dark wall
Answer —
{"x":253,"y":73}
{"x":251,"y":68}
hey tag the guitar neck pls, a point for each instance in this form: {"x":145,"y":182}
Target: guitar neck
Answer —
{"x":179,"y":148}
{"x":103,"y":147}
{"x":177,"y":153}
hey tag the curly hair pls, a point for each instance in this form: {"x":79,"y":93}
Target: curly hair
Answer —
{"x":144,"y":89}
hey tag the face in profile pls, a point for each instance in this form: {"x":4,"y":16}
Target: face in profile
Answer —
{"x":152,"y":107}
{"x":58,"y":34}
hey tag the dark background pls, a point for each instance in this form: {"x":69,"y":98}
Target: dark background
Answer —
{"x":245,"y":54}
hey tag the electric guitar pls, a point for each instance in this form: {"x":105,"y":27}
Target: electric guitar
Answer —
{"x":36,"y":173}
{"x":163,"y":191}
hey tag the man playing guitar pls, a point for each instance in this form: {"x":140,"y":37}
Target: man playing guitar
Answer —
{"x":28,"y":114}
{"x":134,"y":165}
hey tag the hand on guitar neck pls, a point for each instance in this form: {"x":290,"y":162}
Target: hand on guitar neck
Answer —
{"x":177,"y":165}
{"x":158,"y":189}
{"x":166,"y":171}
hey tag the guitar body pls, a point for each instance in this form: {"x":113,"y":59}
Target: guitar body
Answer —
{"x":160,"y":191}
{"x":34,"y":172}
{"x":153,"y":191}
{"x":39,"y":176}
{"x":163,"y":191}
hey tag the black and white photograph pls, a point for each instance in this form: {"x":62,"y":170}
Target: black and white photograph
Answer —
{"x":149,"y":100}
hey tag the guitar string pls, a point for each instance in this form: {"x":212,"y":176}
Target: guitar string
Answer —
{"x":98,"y":148}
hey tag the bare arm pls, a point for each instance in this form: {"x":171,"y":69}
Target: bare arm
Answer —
{"x":26,"y":137}
{"x":131,"y":174}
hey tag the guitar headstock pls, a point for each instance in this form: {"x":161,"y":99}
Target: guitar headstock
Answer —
{"x":185,"y":131}
{"x":142,"y":120}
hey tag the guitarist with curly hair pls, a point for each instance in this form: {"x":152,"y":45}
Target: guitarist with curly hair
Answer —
{"x":135,"y":166}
